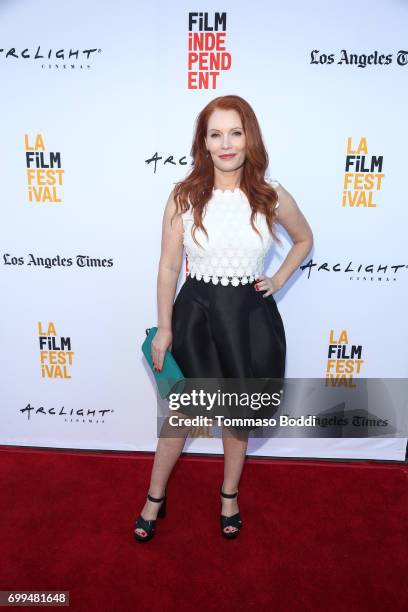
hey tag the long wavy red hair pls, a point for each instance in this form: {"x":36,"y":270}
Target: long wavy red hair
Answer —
{"x":197,"y":187}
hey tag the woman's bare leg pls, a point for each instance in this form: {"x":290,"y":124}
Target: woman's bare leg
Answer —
{"x":167,"y":452}
{"x":235,"y":445}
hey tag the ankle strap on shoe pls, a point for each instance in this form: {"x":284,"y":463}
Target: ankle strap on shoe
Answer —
{"x":155,"y":499}
{"x":228,"y":495}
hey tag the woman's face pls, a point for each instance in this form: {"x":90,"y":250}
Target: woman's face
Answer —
{"x":226,"y":140}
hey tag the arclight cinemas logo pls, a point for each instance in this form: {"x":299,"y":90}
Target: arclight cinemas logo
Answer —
{"x":48,"y":59}
{"x":384,"y":273}
{"x":207,"y":54}
{"x":68,"y":415}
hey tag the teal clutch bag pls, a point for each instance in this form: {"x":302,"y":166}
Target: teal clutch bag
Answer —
{"x":170,"y":374}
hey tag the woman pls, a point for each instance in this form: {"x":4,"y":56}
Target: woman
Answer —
{"x":219,"y":326}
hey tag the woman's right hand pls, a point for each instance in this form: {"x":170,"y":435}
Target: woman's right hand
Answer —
{"x":160,"y":343}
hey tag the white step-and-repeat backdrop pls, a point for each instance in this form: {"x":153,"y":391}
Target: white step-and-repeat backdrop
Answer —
{"x":98,"y":103}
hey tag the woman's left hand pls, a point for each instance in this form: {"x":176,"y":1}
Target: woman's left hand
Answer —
{"x":267,"y":284}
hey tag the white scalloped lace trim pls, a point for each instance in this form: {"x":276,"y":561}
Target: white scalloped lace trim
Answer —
{"x":224,"y":280}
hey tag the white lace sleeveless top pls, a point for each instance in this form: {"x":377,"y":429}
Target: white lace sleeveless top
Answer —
{"x":233,"y":253}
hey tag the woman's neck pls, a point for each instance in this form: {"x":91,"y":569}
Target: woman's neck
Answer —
{"x":228,"y":181}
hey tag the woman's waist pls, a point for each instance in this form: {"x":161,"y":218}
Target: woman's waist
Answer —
{"x":224,"y":281}
{"x":225,"y":274}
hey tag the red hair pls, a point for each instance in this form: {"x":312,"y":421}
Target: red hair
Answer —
{"x":197,"y":187}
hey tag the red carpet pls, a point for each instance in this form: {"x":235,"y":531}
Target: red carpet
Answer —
{"x":317,"y":535}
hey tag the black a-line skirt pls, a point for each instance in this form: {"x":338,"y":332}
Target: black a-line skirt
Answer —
{"x":227,"y":332}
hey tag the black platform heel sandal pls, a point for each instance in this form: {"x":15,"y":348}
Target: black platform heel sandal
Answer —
{"x":230,"y":521}
{"x":149,"y":526}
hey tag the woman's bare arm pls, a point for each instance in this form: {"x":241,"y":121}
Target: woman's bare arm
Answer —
{"x":171,"y":259}
{"x":291,"y":218}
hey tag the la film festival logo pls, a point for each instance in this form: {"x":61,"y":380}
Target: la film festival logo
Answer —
{"x":56,"y":355}
{"x":44,"y":173}
{"x":363,"y":176}
{"x":207,"y":52}
{"x":344,"y":360}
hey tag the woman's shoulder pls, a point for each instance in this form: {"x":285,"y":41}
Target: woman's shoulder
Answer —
{"x":276,"y":185}
{"x":273,"y":182}
{"x":173,"y":204}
